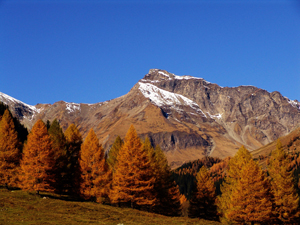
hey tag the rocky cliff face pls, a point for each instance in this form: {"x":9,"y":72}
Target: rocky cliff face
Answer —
{"x":187,"y":116}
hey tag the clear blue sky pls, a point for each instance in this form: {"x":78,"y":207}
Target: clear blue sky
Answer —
{"x":88,"y":51}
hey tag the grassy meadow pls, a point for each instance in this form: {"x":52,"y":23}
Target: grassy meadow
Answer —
{"x":19,"y":207}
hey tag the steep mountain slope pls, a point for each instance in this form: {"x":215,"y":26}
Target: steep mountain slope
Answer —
{"x":290,"y":143}
{"x":187,"y":116}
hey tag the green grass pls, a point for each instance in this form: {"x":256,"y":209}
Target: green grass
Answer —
{"x":19,"y":207}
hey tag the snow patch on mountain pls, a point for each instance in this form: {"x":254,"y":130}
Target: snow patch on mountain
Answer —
{"x":8,"y":99}
{"x":294,"y":103}
{"x":164,"y":74}
{"x":72,"y":107}
{"x":151,"y":81}
{"x":165,"y":98}
{"x":173,"y":76}
{"x":217,"y":116}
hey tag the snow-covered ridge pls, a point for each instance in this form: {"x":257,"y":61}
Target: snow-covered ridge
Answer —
{"x":70,"y":106}
{"x":6,"y":99}
{"x":294,"y":103}
{"x":186,"y":77}
{"x":169,"y":76}
{"x":161,"y":97}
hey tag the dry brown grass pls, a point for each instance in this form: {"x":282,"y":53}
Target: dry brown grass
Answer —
{"x":19,"y":207}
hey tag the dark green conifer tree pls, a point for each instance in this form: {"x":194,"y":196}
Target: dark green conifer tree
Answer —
{"x":60,"y":156}
{"x":168,"y":193}
{"x":113,"y":153}
{"x":73,"y":176}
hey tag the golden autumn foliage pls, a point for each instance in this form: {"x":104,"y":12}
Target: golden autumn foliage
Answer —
{"x":37,"y":161}
{"x":74,"y":141}
{"x":94,"y":170}
{"x":138,"y":175}
{"x":133,"y":179}
{"x":203,"y":200}
{"x":235,"y":166}
{"x":113,"y":153}
{"x":163,"y":170}
{"x":182,"y":199}
{"x":250,"y":201}
{"x":10,"y":153}
{"x":147,"y":146}
{"x":286,"y":199}
{"x":173,"y":205}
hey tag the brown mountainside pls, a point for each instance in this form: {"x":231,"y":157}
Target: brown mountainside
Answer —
{"x":187,"y":116}
{"x":290,"y":144}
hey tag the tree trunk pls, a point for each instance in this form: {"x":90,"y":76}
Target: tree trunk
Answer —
{"x":131,"y":204}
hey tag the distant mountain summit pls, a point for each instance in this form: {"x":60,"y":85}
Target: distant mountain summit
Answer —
{"x":188,"y":117}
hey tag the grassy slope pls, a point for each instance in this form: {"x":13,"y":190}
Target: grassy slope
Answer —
{"x":19,"y":207}
{"x":267,"y":149}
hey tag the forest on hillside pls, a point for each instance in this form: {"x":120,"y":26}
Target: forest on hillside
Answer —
{"x":136,"y":174}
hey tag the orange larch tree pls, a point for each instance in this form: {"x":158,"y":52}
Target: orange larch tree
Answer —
{"x":173,"y":206}
{"x":235,"y":166}
{"x":73,"y":174}
{"x":133,"y":180}
{"x":37,"y":162}
{"x":94,"y":170}
{"x":203,"y":200}
{"x":10,"y":151}
{"x":286,"y":199}
{"x":250,"y":201}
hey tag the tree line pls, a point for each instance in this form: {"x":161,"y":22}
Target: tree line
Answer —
{"x":135,"y":174}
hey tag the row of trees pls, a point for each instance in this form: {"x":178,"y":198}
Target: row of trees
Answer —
{"x":134,"y":173}
{"x":248,"y":193}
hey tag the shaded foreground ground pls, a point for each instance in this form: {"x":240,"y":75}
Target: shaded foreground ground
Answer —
{"x":19,"y":207}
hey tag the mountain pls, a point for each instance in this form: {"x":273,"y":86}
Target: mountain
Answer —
{"x":187,"y":116}
{"x":290,"y":143}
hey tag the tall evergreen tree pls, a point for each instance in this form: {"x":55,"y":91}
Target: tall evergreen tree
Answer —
{"x":133,"y":180}
{"x":73,"y":174}
{"x":235,"y":166}
{"x":10,"y":151}
{"x":173,"y":205}
{"x":37,"y":161}
{"x":59,"y":155}
{"x":48,"y":124}
{"x":168,"y":193}
{"x":113,"y":153}
{"x":286,"y":199}
{"x":203,"y":200}
{"x":21,"y":130}
{"x":94,"y":170}
{"x":250,"y":201}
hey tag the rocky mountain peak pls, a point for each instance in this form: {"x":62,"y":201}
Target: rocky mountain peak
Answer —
{"x":158,"y":75}
{"x":187,"y":116}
